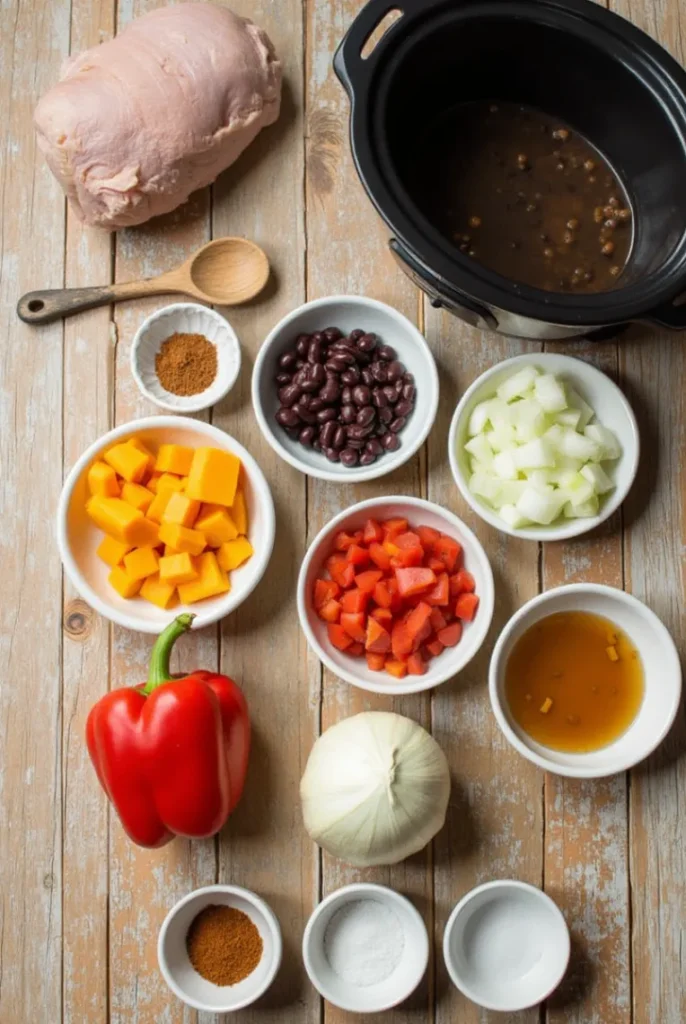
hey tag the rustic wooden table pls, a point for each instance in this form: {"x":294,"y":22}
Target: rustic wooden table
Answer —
{"x":80,"y":906}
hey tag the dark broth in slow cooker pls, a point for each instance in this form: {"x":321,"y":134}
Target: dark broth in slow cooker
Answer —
{"x":526,"y":196}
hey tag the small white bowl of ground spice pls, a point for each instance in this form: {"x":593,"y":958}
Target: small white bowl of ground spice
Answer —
{"x":185,"y":357}
{"x":220,"y":948}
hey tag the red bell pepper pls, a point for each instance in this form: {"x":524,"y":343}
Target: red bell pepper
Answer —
{"x":172,"y":753}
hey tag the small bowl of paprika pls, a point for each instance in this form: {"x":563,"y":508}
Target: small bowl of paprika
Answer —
{"x":220,"y":948}
{"x":185,"y":357}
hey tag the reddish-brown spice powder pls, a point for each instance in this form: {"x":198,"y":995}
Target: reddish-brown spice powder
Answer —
{"x":223,"y":944}
{"x":186,"y":364}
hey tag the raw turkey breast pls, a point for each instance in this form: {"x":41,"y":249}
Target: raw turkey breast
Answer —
{"x":137,"y":124}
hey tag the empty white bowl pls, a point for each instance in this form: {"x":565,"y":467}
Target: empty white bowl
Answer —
{"x":181,"y":976}
{"x":611,"y":408}
{"x":185,"y":318}
{"x":506,"y":946}
{"x":346,"y":312}
{"x":405,"y":977}
{"x":419,"y":513}
{"x":78,"y":537}
{"x":662,"y":680}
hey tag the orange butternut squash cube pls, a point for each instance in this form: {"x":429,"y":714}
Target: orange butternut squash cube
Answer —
{"x":169,"y":550}
{"x":181,"y":509}
{"x":212,"y":580}
{"x":127,"y":461}
{"x":112,"y":551}
{"x":181,"y":538}
{"x":217,"y":525}
{"x":138,"y":444}
{"x":103,"y":480}
{"x":234,"y":553}
{"x":239,"y":512}
{"x":137,"y":496}
{"x":176,"y":569}
{"x":115,"y":517}
{"x":122,"y":582}
{"x":213,"y":476}
{"x":153,"y":481}
{"x":146,"y":534}
{"x":159,"y":504}
{"x":173,"y":483}
{"x":141,"y":562}
{"x":174,"y":458}
{"x":157,"y":592}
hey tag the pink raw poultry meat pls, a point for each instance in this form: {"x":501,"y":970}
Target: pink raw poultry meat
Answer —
{"x":137,"y":124}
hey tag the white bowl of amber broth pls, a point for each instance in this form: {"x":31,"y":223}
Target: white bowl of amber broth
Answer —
{"x":661,"y":680}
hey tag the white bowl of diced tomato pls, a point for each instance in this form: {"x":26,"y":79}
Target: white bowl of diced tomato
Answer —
{"x":395,"y":595}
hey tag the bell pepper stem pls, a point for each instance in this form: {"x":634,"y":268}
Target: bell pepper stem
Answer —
{"x":161,"y":653}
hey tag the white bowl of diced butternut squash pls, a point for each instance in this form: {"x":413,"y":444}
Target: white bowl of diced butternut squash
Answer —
{"x":164,"y":515}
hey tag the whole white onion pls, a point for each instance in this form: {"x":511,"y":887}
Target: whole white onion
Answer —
{"x":375,"y":789}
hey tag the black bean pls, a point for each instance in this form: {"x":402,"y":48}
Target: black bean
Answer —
{"x":379,"y":373}
{"x":403,"y":408}
{"x":302,"y":344}
{"x":355,"y":334}
{"x":385,"y":414}
{"x":287,"y":418}
{"x":318,"y":336}
{"x":357,"y":433}
{"x":310,"y":385}
{"x":391,"y":394}
{"x":391,"y":442}
{"x":379,"y":399}
{"x":366,"y":458}
{"x":299,"y":364}
{"x":347,"y":396}
{"x":367,"y":377}
{"x":356,"y":444}
{"x":349,"y":457}
{"x":282,"y":379}
{"x":408,"y":378}
{"x":395,"y":371}
{"x":306,"y":436}
{"x":367,"y":343}
{"x":351,"y":375}
{"x":289,"y":395}
{"x":361,"y":395}
{"x":332,"y":455}
{"x":314,"y":352}
{"x":335,"y":366}
{"x":348,"y":413}
{"x":332,"y":333}
{"x":363,"y":358}
{"x":339,"y":438}
{"x":316,"y":444}
{"x":316,"y":404}
{"x":343,"y":348}
{"x":318,"y":374}
{"x":386,"y":352}
{"x":408,"y":392}
{"x":326,"y":433}
{"x":288,"y":360}
{"x":330,"y":392}
{"x":397,"y":425}
{"x":304,"y":401}
{"x":324,"y":415}
{"x":305,"y":415}
{"x":293,"y":432}
{"x":374,"y":447}
{"x":366,"y":415}
{"x":381,"y":429}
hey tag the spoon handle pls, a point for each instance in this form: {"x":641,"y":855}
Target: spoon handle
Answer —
{"x":45,"y":306}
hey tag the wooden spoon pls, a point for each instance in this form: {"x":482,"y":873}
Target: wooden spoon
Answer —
{"x":224,"y":272}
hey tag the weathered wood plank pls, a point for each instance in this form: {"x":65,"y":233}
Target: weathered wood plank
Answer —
{"x":348,"y":254}
{"x":88,"y":404}
{"x":34,"y":39}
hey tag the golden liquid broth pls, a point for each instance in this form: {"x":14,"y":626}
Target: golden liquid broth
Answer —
{"x":563,"y":658}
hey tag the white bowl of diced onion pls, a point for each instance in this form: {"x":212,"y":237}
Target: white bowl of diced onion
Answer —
{"x":544,"y":446}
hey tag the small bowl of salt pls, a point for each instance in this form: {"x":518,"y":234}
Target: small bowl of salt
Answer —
{"x":365,"y":948}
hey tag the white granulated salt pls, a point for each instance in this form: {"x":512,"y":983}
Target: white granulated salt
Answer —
{"x":364,"y":942}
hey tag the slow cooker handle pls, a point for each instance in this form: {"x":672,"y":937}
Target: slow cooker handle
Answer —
{"x":348,"y":62}
{"x":670,"y":315}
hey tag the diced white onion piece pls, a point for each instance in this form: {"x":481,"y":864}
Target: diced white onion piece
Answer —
{"x":478,"y":418}
{"x":535,"y":454}
{"x":504,"y":466}
{"x":480,"y":448}
{"x":485,"y":486}
{"x":541,"y":479}
{"x":580,"y":493}
{"x":597,"y":477}
{"x":528,"y":419}
{"x":518,"y":384}
{"x":578,"y":446}
{"x":553,"y":435}
{"x":609,"y":447}
{"x":501,"y":438}
{"x":499,"y":413}
{"x":510,"y":492}
{"x":567,"y":462}
{"x":575,"y":401}
{"x":568,"y":418}
{"x":513,"y":517}
{"x":540,"y":508}
{"x":550,"y":393}
{"x":586,"y":510}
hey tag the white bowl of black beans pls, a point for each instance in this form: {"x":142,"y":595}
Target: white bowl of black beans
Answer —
{"x":345,"y":388}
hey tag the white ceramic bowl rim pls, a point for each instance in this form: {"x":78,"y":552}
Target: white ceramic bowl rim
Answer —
{"x":385,"y":895}
{"x":572,"y":527}
{"x":80,"y":582}
{"x":578,"y":769}
{"x":271,"y":921}
{"x":535,"y":893}
{"x":390,"y":461}
{"x":486,"y":595}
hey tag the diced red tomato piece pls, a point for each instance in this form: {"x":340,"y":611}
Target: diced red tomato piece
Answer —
{"x":354,"y":625}
{"x":366,"y":581}
{"x":379,"y":556}
{"x":436,"y":564}
{"x":462,"y":582}
{"x":434,"y":647}
{"x":340,"y":570}
{"x":414,"y":580}
{"x":416,"y":666}
{"x":392,"y":527}
{"x":378,"y":639}
{"x":343,"y":540}
{"x":401,"y":638}
{"x":419,"y":624}
{"x":330,"y":612}
{"x":357,"y":555}
{"x":338,"y":636}
{"x":440,"y":594}
{"x":356,"y":649}
{"x":448,"y":550}
{"x":325,"y":590}
{"x":372,"y":532}
{"x":396,"y":668}
{"x":451,"y":634}
{"x":354,"y":601}
{"x":384,"y":616}
{"x":428,"y":536}
{"x":375,"y":661}
{"x":466,"y":605}
{"x":438,"y":619}
{"x":396,"y":599}
{"x":382,"y":595}
{"x":409,"y":549}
